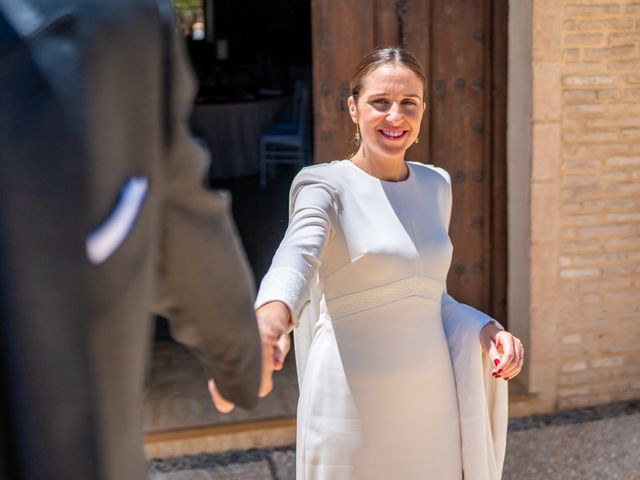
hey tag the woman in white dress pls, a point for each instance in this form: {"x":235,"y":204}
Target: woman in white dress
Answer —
{"x":397,"y":379}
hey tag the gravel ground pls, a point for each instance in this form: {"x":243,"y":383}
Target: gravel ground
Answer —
{"x":592,"y":450}
{"x":597,"y":443}
{"x":265,"y":464}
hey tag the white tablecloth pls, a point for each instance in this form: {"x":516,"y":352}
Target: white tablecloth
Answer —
{"x":233,"y":133}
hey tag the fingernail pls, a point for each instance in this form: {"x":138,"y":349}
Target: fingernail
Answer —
{"x":495,"y":375}
{"x":500,"y":371}
{"x":496,"y":361}
{"x":506,"y":378}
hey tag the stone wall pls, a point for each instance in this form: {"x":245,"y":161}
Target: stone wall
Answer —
{"x":585,"y":204}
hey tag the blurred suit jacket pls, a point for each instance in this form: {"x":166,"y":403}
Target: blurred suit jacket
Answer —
{"x":94,"y":98}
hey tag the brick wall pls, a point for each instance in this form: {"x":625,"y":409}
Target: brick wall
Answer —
{"x":585,"y":203}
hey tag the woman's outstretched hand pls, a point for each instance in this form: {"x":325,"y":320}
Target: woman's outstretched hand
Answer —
{"x":273,"y":324}
{"x":505,"y":350}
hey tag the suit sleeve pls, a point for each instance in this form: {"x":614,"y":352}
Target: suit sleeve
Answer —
{"x":452,"y":310}
{"x":312,"y":217}
{"x":205,"y":287}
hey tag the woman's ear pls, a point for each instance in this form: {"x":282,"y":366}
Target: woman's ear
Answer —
{"x":353,"y":111}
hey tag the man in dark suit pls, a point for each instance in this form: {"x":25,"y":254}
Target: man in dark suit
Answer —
{"x":102,"y":216}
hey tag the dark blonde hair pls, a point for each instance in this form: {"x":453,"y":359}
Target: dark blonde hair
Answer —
{"x":383,"y":56}
{"x":377,"y":58}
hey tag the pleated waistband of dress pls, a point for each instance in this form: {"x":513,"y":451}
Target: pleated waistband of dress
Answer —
{"x":416,"y":286}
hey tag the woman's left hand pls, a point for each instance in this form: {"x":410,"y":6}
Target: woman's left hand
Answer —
{"x":505,"y":350}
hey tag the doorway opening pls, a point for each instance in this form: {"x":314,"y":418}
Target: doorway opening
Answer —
{"x":250,"y":61}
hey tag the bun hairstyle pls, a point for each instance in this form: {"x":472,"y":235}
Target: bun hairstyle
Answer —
{"x":377,"y":58}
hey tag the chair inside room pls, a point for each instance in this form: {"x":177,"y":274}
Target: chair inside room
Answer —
{"x":287,"y":143}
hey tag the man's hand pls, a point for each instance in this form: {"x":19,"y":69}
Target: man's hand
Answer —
{"x":273,"y":324}
{"x":219,"y":401}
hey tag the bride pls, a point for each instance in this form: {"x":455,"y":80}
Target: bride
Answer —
{"x":397,"y":379}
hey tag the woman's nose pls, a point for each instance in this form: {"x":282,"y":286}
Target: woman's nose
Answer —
{"x":394,"y":114}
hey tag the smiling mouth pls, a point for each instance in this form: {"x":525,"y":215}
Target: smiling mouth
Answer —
{"x":393,"y":134}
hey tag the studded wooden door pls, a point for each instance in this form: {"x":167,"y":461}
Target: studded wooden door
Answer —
{"x":462,"y":45}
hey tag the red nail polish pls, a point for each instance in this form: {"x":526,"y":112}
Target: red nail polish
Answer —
{"x":496,"y":362}
{"x":506,"y":378}
{"x":495,"y":375}
{"x":500,"y":371}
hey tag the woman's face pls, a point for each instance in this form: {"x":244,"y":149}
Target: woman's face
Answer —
{"x":389,"y":110}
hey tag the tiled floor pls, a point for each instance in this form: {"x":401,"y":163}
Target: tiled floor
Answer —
{"x":177,"y":397}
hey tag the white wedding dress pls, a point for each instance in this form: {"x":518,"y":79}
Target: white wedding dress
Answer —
{"x":393,"y":381}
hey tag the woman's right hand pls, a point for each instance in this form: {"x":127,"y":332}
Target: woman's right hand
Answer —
{"x":273,"y":323}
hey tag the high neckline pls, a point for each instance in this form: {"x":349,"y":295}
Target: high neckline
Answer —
{"x":372,"y":177}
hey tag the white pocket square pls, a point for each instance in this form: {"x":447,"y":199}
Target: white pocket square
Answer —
{"x":108,"y":236}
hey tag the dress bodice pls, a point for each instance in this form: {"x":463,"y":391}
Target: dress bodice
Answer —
{"x":385,"y":232}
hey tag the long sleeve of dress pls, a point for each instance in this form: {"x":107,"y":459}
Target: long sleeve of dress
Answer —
{"x":451,"y":308}
{"x":313,"y":208}
{"x":482,"y":400}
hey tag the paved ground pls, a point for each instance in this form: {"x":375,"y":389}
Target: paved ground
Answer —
{"x":593,"y":450}
{"x":243,"y":465}
{"x":591,"y":444}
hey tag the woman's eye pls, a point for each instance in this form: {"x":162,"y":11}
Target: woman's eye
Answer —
{"x":409,"y":102}
{"x":380,"y":101}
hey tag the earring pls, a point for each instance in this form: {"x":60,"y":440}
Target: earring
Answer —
{"x":357,"y":134}
{"x":417,"y":140}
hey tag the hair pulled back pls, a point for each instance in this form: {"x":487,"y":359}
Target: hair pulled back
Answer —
{"x":384,"y":56}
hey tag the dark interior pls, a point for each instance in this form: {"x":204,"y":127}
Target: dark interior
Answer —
{"x":268,"y":46}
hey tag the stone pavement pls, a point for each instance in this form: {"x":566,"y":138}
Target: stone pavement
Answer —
{"x":267,"y":464}
{"x":599,"y":443}
{"x":177,"y":397}
{"x":591,"y":450}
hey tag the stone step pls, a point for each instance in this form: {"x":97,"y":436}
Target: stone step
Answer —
{"x":277,"y":432}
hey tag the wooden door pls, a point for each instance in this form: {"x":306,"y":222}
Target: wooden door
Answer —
{"x":462,"y":45}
